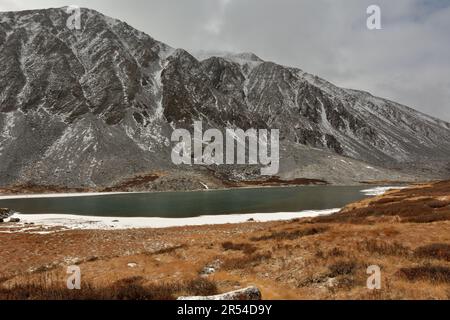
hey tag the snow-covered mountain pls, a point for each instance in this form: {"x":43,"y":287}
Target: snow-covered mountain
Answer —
{"x":93,"y":106}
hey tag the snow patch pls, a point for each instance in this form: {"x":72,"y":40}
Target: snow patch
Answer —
{"x":378,"y":191}
{"x":114,"y":223}
{"x":59,"y":195}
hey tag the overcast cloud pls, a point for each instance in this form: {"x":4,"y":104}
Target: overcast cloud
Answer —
{"x":407,"y":61}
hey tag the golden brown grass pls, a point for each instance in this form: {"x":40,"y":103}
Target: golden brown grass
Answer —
{"x":246,"y":248}
{"x":132,"y":288}
{"x":439,"y":251}
{"x":325,"y":258}
{"x":431,"y":273}
{"x":246,"y":261}
{"x":290,"y":235}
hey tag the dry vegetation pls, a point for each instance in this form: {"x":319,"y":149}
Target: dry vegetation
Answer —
{"x":132,"y":288}
{"x":320,"y":258}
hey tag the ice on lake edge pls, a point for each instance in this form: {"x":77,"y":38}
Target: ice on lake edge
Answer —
{"x":74,"y":222}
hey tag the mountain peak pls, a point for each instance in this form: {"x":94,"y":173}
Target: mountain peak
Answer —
{"x":241,"y":58}
{"x":70,"y":100}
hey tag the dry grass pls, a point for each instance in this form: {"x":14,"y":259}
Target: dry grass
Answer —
{"x":429,"y":218}
{"x":342,"y":268}
{"x":293,"y":235}
{"x":333,"y":253}
{"x":434,"y":274}
{"x":439,"y":251}
{"x":324,"y":258}
{"x":384,"y":248}
{"x":167,"y":250}
{"x":245,"y":262}
{"x":133,"y":288}
{"x":437,"y":204}
{"x":247,"y":248}
{"x":422,"y":204}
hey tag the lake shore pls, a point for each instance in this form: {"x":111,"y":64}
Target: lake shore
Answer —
{"x":43,"y":223}
{"x":323,"y":257}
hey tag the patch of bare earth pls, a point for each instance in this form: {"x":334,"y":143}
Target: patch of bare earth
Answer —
{"x":405,"y":232}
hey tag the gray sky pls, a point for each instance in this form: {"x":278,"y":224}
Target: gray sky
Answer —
{"x":407,"y":61}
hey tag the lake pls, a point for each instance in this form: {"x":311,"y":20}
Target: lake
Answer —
{"x":193,"y":204}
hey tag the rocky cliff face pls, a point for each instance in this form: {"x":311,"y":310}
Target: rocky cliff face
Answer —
{"x":90,"y":107}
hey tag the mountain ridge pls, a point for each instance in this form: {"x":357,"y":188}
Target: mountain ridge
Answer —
{"x":94,"y":106}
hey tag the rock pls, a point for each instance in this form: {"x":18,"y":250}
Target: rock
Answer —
{"x":132,"y":265}
{"x":251,"y":220}
{"x":5,"y":213}
{"x":1,"y":221}
{"x":215,"y":264}
{"x":211,"y":268}
{"x":250,"y":293}
{"x":331,"y":282}
{"x":208,"y":271}
{"x":14,"y":220}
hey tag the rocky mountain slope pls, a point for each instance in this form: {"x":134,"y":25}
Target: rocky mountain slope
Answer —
{"x":91,"y":107}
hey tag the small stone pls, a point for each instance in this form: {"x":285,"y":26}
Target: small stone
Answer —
{"x":251,"y":220}
{"x":250,"y":293}
{"x":208,"y":271}
{"x":132,"y":265}
{"x":331,"y":282}
{"x":14,"y":220}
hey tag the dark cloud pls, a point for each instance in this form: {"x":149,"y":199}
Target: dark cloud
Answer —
{"x":407,"y":61}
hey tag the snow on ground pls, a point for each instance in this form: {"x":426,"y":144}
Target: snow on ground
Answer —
{"x":50,"y":221}
{"x":58,"y":195}
{"x":114,"y":223}
{"x":378,"y":191}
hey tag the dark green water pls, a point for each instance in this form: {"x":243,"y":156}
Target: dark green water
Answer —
{"x":193,"y":204}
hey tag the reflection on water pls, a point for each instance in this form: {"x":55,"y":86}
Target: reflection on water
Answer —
{"x":193,"y":204}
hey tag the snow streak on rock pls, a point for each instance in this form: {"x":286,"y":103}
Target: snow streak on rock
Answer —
{"x":89,"y":107}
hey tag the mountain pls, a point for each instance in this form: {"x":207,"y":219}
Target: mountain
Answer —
{"x":96,"y":106}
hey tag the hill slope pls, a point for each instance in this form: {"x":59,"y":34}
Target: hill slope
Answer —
{"x":94,"y":106}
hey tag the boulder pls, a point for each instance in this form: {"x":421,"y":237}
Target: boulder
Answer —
{"x":5,"y":213}
{"x":250,"y":294}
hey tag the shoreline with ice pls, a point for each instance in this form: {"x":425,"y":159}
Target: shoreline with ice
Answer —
{"x":30,"y":222}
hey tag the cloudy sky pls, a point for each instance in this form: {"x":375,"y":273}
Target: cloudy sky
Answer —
{"x":407,"y":61}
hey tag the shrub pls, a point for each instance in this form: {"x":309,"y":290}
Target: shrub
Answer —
{"x":126,"y":289}
{"x":247,"y":261}
{"x":284,"y":235}
{"x":437,"y":204}
{"x":439,"y":251}
{"x":342,"y":268}
{"x":428,"y":218}
{"x":385,"y":248}
{"x":336,"y":252}
{"x":247,"y":248}
{"x":438,"y":274}
{"x":201,"y":287}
